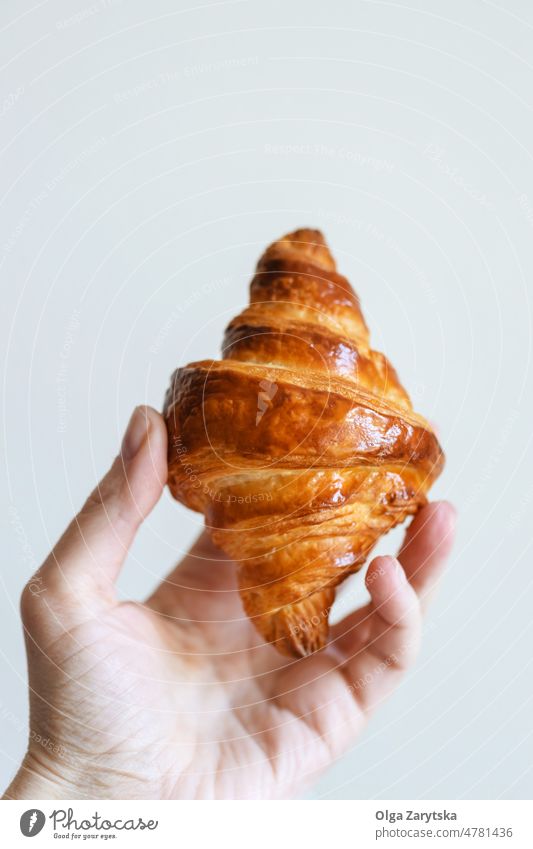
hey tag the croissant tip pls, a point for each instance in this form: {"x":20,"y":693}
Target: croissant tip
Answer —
{"x":297,"y":629}
{"x":300,"y":648}
{"x":306,"y":236}
{"x":306,"y":242}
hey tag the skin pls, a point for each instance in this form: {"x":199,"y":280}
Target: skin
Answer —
{"x":178,"y":698}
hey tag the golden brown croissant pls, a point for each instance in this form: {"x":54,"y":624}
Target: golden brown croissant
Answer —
{"x":300,"y":447}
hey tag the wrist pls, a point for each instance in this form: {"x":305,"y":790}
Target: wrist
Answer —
{"x":37,"y":780}
{"x":42,"y":777}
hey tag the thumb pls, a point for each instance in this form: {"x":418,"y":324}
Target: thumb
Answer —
{"x":88,"y":557}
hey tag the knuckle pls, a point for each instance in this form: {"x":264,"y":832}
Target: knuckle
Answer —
{"x":30,"y":598}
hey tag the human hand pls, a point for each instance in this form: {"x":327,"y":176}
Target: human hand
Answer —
{"x":179,"y":697}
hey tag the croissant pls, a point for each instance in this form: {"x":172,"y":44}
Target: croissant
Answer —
{"x":300,"y":446}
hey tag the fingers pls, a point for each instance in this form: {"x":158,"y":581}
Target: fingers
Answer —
{"x":426,"y":547}
{"x":372,"y":666}
{"x":380,"y":626}
{"x":423,"y":554}
{"x":396,"y":626}
{"x":383,"y":637}
{"x":88,"y":557}
{"x":393,"y":597}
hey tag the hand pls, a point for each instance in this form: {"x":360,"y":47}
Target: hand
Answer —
{"x":179,"y":697}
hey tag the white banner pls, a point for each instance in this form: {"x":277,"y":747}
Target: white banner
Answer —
{"x":270,"y":825}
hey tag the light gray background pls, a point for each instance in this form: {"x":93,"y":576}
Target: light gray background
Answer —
{"x":149,"y":152}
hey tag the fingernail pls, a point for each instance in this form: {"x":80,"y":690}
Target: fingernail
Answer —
{"x":136,"y":433}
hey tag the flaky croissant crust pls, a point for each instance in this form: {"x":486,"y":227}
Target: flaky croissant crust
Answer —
{"x":300,"y":447}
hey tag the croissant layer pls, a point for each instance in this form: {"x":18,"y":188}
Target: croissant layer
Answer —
{"x":300,"y":446}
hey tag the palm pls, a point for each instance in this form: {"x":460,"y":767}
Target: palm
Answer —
{"x":185,"y":686}
{"x":198,"y":686}
{"x":179,"y":697}
{"x":254,"y":710}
